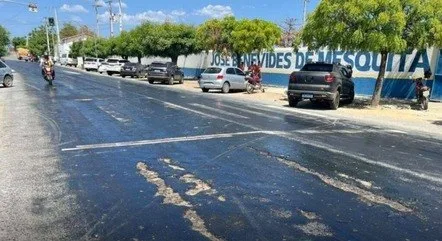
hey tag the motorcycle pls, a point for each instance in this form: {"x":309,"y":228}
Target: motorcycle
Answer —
{"x":48,"y":75}
{"x":423,"y":91}
{"x":253,"y":83}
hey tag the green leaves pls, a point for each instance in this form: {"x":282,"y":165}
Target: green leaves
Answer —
{"x":18,"y":42}
{"x":374,"y":25}
{"x":4,"y":40}
{"x":230,"y":36}
{"x":68,"y":30}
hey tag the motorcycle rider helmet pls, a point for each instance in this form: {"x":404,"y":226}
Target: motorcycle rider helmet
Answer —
{"x":428,"y":73}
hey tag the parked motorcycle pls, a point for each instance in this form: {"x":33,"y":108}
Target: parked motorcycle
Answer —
{"x":423,"y":91}
{"x":253,"y":83}
{"x":48,"y":75}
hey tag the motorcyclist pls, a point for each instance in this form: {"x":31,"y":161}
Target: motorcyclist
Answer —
{"x":47,"y":63}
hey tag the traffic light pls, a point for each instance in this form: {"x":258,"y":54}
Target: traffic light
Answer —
{"x":51,"y":22}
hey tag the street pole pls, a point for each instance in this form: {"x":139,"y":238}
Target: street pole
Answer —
{"x":111,"y":18}
{"x":96,"y":6}
{"x":120,"y":16}
{"x":47,"y":36}
{"x":305,"y":11}
{"x":58,"y":34}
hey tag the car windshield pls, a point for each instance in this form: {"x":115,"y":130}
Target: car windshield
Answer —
{"x":158,"y":65}
{"x":212,"y":70}
{"x":112,"y":60}
{"x":130,"y":64}
{"x":124,"y":61}
{"x":89,"y":60}
{"x":318,"y":67}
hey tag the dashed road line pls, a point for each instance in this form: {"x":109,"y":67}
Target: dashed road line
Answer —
{"x":219,"y":111}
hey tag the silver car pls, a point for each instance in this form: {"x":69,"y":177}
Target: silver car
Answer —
{"x":222,"y":78}
{"x":6,"y":75}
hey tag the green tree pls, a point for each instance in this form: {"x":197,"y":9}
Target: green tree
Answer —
{"x":68,"y":30}
{"x":76,"y":49}
{"x":380,"y":26}
{"x":18,"y":42}
{"x":37,"y":43}
{"x":4,"y":41}
{"x":237,"y":37}
{"x":171,"y":40}
{"x":94,"y":47}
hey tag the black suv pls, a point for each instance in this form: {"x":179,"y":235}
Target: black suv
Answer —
{"x":321,"y":82}
{"x":166,"y":72}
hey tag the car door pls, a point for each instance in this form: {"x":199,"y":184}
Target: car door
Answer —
{"x":240,"y":75}
{"x":2,"y":71}
{"x":232,"y":78}
{"x":346,"y":81}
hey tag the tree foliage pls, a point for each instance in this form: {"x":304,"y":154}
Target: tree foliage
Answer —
{"x":37,"y":41}
{"x":4,"y":41}
{"x":68,"y":30}
{"x":237,"y":37}
{"x":393,"y":26}
{"x":18,"y":42}
{"x":170,"y":40}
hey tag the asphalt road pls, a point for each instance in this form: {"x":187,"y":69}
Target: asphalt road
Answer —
{"x":101,"y":158}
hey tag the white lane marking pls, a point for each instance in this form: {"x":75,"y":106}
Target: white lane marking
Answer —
{"x":301,"y":112}
{"x":252,"y":112}
{"x":114,"y":115}
{"x":219,"y":111}
{"x":174,"y":198}
{"x":83,"y":100}
{"x":346,"y":131}
{"x":363,"y":159}
{"x":171,"y":105}
{"x":70,"y":72}
{"x":36,"y":88}
{"x":369,"y":196}
{"x":164,"y":140}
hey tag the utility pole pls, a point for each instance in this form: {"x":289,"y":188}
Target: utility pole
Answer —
{"x":120,"y":15}
{"x":47,"y":36}
{"x":111,"y":18}
{"x":58,"y":34}
{"x":305,"y":11}
{"x":96,"y":6}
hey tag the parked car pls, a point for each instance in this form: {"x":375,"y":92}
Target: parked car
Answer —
{"x":321,"y":82}
{"x":133,"y":70}
{"x":222,"y":78}
{"x":65,"y":59}
{"x":165,"y":72}
{"x":6,"y":74}
{"x":92,"y":63}
{"x":113,"y":66}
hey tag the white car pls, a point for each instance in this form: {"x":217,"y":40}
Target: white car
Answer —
{"x":113,"y":66}
{"x":92,"y":63}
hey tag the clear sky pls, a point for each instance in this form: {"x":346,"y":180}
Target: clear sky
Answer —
{"x":19,"y":21}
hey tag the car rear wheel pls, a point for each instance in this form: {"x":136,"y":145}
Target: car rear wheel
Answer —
{"x":182,"y":80}
{"x":334,"y":104}
{"x":171,"y":80}
{"x":205,"y":90}
{"x":123,"y":76}
{"x":293,"y":102}
{"x":7,"y":81}
{"x":150,"y":81}
{"x":226,"y":88}
{"x":109,"y":73}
